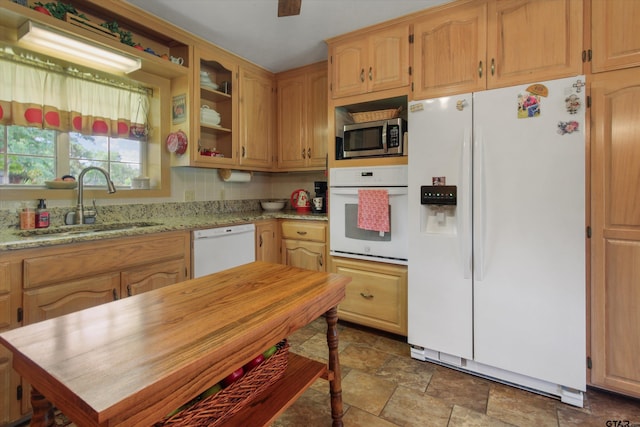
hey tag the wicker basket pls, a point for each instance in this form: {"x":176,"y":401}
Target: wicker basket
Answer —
{"x":216,"y":409}
{"x":369,"y":116}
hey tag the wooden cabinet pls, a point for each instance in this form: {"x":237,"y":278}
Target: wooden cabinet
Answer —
{"x":304,"y":244}
{"x":371,"y":61}
{"x":244,"y":97}
{"x":61,"y":280}
{"x":376,"y":296}
{"x":152,"y":276}
{"x":10,"y":296}
{"x":268,"y":241}
{"x":214,"y":144}
{"x":614,"y":34}
{"x":302,"y":118}
{"x":257,"y":108}
{"x":615,"y":224}
{"x":472,"y":45}
{"x":449,"y":50}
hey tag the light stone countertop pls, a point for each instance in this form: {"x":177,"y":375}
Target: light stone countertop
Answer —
{"x":182,"y":219}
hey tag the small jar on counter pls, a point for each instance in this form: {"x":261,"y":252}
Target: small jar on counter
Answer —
{"x":27,"y":218}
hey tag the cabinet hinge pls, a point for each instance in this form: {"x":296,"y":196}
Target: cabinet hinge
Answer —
{"x":588,"y":363}
{"x":588,"y":232}
{"x":20,"y":314}
{"x":410,"y":38}
{"x":19,"y":392}
{"x":588,"y":101}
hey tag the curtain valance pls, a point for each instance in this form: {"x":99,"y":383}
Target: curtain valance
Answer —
{"x":30,"y":96}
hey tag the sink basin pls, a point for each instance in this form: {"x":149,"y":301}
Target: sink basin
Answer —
{"x":83,"y":229}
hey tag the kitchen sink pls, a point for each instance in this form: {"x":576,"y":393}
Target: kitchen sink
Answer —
{"x":66,"y":230}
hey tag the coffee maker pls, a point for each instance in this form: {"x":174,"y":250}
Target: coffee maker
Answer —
{"x":319,"y":202}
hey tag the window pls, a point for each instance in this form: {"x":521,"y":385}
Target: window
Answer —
{"x":31,"y":156}
{"x":55,"y":122}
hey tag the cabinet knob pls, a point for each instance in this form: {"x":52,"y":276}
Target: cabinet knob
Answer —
{"x":362,"y":75}
{"x":260,"y":244}
{"x":480,"y":69}
{"x":304,"y":153}
{"x":370,"y":73}
{"x":493,"y":66}
{"x":366,"y":296}
{"x":302,"y":233}
{"x":321,"y":261}
{"x":309,"y":153}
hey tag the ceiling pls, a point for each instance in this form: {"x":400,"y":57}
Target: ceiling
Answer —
{"x":252,"y":29}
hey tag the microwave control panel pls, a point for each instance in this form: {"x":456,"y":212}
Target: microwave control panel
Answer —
{"x":439,"y":195}
{"x":394,"y":136}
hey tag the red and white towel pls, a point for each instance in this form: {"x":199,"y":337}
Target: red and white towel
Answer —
{"x":373,"y":210}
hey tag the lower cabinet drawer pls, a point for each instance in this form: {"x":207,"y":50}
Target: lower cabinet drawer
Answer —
{"x":376,"y":296}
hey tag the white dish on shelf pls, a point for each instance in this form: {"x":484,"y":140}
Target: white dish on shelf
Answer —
{"x":209,"y":85}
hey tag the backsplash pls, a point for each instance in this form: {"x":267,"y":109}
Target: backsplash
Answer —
{"x":194,"y":189}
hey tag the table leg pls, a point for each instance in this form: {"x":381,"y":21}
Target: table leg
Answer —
{"x":43,"y":415}
{"x":335,"y":385}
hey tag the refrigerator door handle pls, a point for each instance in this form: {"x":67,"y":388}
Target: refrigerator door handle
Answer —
{"x":466,"y":236}
{"x":478,"y":207}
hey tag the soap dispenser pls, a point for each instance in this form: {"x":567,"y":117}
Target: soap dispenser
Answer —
{"x":42,"y":215}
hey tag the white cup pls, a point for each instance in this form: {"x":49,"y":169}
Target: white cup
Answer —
{"x":177,"y":60}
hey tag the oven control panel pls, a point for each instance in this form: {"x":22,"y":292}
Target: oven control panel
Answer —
{"x":439,"y":195}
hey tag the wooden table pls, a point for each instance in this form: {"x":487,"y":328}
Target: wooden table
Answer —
{"x":130,"y":362}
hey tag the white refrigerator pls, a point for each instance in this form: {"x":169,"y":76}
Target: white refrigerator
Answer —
{"x":497,"y":234}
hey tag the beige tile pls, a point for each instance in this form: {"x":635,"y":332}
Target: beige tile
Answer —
{"x":410,"y":408}
{"x":457,"y":388}
{"x":407,"y":372}
{"x":520,"y":407}
{"x":363,"y":358}
{"x":312,"y":408}
{"x":614,"y":406}
{"x":575,"y":417}
{"x":366,"y":392}
{"x":355,"y":417}
{"x":464,"y":417}
{"x":316,"y":347}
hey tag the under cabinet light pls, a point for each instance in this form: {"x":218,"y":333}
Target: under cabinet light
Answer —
{"x":53,"y":40}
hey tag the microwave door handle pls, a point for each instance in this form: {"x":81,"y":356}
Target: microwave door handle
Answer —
{"x":384,"y":138}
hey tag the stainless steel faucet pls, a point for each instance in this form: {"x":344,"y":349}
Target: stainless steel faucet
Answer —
{"x":80,"y":213}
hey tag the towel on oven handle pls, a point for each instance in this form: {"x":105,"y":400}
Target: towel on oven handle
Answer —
{"x":373,"y":210}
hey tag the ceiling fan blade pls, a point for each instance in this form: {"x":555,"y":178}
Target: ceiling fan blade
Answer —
{"x":289,"y":7}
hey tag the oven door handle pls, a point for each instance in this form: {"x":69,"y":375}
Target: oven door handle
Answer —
{"x":353,"y":191}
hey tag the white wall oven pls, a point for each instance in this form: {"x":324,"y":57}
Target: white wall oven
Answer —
{"x":368,"y":212}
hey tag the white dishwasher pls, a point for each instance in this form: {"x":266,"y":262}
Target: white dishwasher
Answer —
{"x":217,"y":249}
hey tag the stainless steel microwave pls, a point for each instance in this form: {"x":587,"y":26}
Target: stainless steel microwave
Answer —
{"x":377,"y":138}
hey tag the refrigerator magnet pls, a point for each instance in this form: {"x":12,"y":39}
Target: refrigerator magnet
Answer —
{"x":568,"y":127}
{"x":572,"y":103}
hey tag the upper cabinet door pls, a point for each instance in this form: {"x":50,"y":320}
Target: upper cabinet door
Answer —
{"x":388,"y":65}
{"x":256,"y":118}
{"x":291,"y":122}
{"x":614,"y":34}
{"x":449,"y":51}
{"x":348,"y":63}
{"x":533,"y":40}
{"x":317,"y":132}
{"x":375,"y":61}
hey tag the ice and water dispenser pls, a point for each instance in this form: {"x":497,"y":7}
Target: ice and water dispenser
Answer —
{"x":438,"y":213}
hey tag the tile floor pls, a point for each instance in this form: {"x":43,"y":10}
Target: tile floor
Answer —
{"x":383,"y":387}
